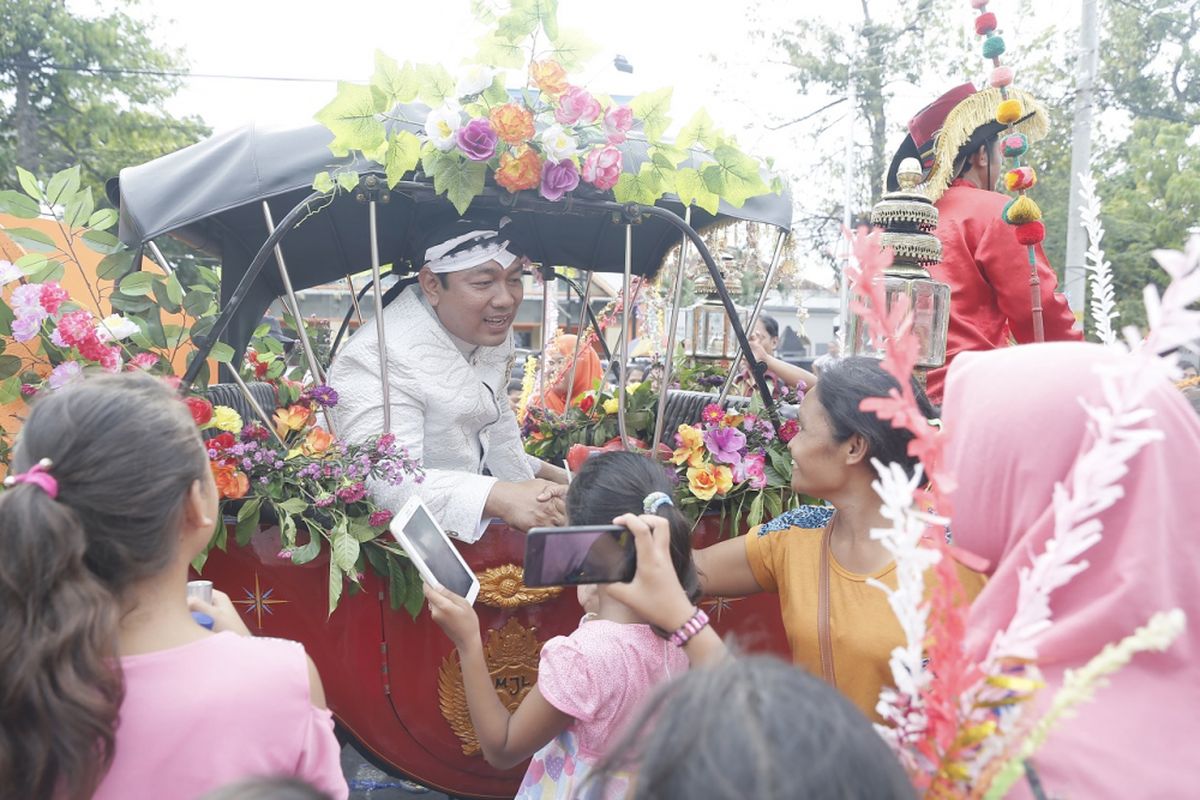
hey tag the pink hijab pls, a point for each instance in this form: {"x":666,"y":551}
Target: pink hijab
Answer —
{"x":1016,"y":428}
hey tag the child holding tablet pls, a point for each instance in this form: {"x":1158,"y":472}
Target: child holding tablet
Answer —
{"x":589,"y":683}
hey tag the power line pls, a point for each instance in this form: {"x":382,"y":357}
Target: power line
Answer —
{"x":160,"y":73}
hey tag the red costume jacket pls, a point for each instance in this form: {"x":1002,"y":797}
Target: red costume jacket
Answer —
{"x":988,"y":273}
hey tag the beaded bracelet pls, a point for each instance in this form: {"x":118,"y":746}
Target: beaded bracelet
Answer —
{"x":690,"y":628}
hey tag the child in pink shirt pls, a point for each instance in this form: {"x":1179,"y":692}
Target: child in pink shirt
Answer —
{"x":110,"y":688}
{"x":591,"y":682}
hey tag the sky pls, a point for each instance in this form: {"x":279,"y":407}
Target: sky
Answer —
{"x":703,"y":48}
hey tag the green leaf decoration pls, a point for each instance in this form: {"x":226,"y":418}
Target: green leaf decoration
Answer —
{"x":18,"y":205}
{"x":48,"y":270}
{"x":102,"y":242}
{"x":756,"y":510}
{"x":734,"y":176}
{"x":9,"y":366}
{"x":305,"y":554}
{"x":150,"y":326}
{"x":644,"y":187}
{"x":653,"y":109}
{"x":398,"y":84}
{"x":500,"y":52}
{"x":397,"y":583}
{"x":197,"y":304}
{"x":777,"y":185}
{"x":524,"y":17}
{"x":496,"y":94}
{"x":136,"y":284}
{"x":347,"y":181}
{"x":31,"y":239}
{"x":174,"y":290}
{"x":323,"y":183}
{"x":435,"y":85}
{"x":294,"y":505}
{"x":699,"y":130}
{"x":29,"y":184}
{"x":6,"y":319}
{"x":221,"y":353}
{"x":10,"y":390}
{"x":415,"y":596}
{"x":460,"y":179}
{"x":403,"y":155}
{"x":335,"y":585}
{"x":344,"y":548}
{"x":352,"y":117}
{"x":130,"y":305}
{"x":103,"y":219}
{"x":113,"y":266}
{"x":62,"y":186}
{"x":79,"y":209}
{"x":572,"y":49}
{"x":668,"y":154}
{"x":247,"y":521}
{"x":690,"y":188}
{"x":162,"y":296}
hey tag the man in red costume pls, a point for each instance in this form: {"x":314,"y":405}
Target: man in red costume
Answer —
{"x":956,"y":140}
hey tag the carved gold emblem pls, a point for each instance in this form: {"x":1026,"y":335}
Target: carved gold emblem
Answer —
{"x":511,"y":654}
{"x":503,"y":587}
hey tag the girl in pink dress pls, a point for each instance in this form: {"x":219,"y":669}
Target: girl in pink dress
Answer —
{"x":109,"y":687}
{"x":591,"y":682}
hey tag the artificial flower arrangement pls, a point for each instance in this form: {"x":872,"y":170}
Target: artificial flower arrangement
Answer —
{"x":292,"y":471}
{"x":553,"y":136}
{"x":737,"y":461}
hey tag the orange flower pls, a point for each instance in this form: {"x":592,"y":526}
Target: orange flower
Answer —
{"x":231,"y":482}
{"x":549,"y":76}
{"x":709,"y":481}
{"x":512,"y":122}
{"x":522,"y":171}
{"x":292,"y":418}
{"x":317,"y":441}
{"x":691,"y":447}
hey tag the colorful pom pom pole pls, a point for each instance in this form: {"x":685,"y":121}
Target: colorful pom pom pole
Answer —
{"x":993,"y":46}
{"x":1009,"y":111}
{"x":1002,"y":77}
{"x":985,"y":23}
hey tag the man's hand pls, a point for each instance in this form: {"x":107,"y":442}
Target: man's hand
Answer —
{"x":528,"y":504}
{"x":454,"y":615}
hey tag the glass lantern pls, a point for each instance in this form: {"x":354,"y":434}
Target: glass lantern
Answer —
{"x":707,"y":331}
{"x":929,"y":301}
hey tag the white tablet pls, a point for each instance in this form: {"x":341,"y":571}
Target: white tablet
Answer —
{"x":431,"y":550}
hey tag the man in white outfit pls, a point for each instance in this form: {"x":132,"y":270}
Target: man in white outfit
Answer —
{"x":449,"y":356}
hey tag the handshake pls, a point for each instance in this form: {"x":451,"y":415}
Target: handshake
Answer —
{"x":528,"y":504}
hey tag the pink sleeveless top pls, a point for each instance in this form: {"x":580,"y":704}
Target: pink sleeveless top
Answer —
{"x":216,"y":711}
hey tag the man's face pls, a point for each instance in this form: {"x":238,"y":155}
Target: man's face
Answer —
{"x":479,"y":304}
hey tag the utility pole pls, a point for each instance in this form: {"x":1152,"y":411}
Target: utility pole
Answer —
{"x":1075,"y":275}
{"x":848,"y":201}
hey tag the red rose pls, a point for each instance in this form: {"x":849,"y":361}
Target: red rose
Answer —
{"x":587,"y":403}
{"x":222,"y":442}
{"x":202,"y":410}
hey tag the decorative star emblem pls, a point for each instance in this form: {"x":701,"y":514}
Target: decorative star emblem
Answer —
{"x":718,"y":605}
{"x":258,"y":601}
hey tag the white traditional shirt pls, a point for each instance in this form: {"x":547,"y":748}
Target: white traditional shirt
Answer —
{"x":449,"y":407}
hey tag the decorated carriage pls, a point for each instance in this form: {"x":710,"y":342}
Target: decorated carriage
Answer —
{"x":391,"y":677}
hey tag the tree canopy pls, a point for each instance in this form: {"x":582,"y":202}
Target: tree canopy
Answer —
{"x":84,"y":90}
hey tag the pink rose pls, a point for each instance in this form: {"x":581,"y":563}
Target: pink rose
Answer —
{"x":75,"y":326}
{"x":558,"y":179}
{"x":753,"y":469}
{"x":143,"y":361}
{"x":110,"y":358}
{"x":477,"y":140}
{"x":617,"y":123}
{"x":577,"y":105}
{"x":602,"y":167}
{"x":52,"y":296}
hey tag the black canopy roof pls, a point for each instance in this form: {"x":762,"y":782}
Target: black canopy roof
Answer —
{"x":210,"y":195}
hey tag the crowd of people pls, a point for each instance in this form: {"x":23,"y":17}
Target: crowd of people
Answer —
{"x":109,"y":689}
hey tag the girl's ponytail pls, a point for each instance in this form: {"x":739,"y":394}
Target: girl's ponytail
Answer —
{"x":59,"y":685}
{"x":76,"y":532}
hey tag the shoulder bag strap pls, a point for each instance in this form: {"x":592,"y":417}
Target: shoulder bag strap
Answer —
{"x":823,"y":633}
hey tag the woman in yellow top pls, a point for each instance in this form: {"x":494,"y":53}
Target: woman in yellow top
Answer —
{"x":831,"y":460}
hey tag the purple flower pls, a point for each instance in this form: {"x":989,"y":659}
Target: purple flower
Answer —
{"x":63,"y":374}
{"x":558,"y":179}
{"x":28,"y":390}
{"x":26,"y":328}
{"x":324,"y":502}
{"x":26,"y":300}
{"x":477,"y":140}
{"x":285,"y":554}
{"x":725,"y":444}
{"x":324,"y":396}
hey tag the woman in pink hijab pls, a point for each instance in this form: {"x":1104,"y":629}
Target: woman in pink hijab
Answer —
{"x":1016,"y":428}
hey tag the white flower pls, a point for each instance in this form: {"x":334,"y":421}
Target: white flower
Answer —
{"x":441,"y":126}
{"x":474,"y":80}
{"x":115,"y":327}
{"x":9,"y":272}
{"x":557,"y":144}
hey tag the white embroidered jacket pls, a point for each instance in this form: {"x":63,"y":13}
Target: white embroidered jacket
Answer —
{"x":450,"y":411}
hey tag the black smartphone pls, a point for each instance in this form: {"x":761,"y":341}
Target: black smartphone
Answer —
{"x":579,"y":554}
